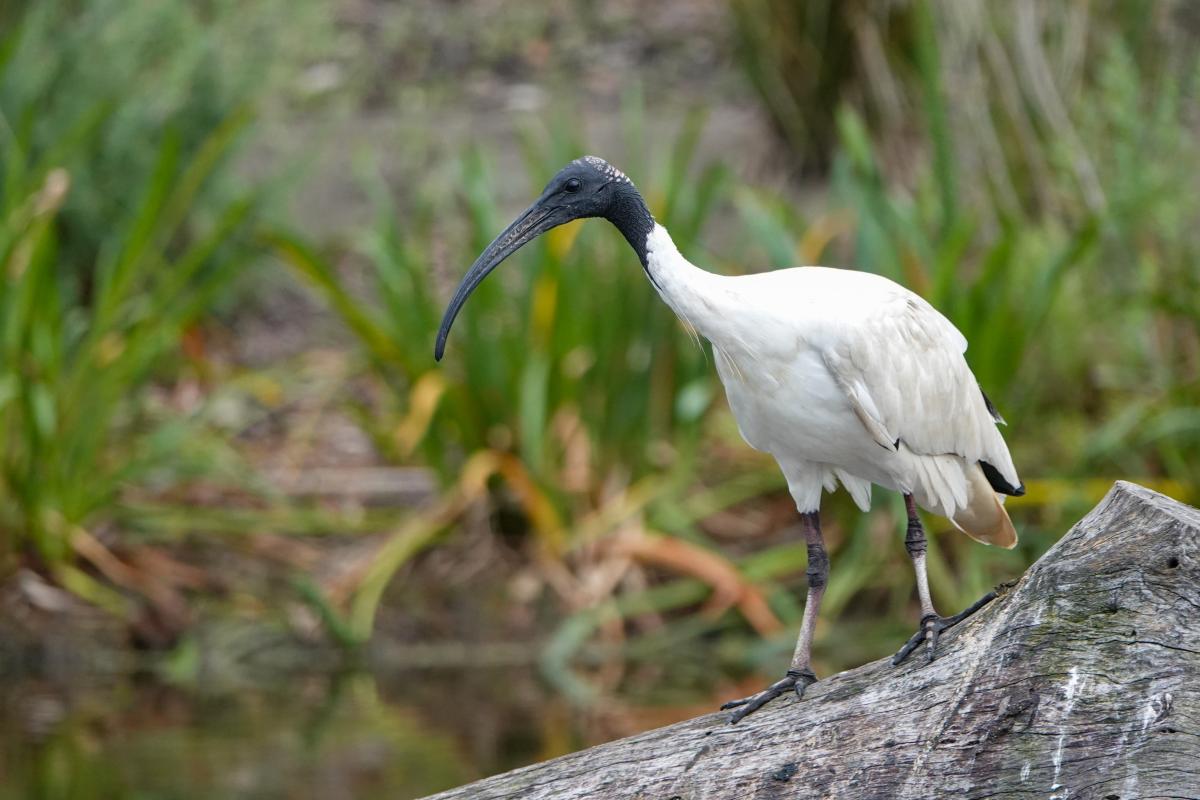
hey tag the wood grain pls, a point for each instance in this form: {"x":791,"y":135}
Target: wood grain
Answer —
{"x":1081,"y":681}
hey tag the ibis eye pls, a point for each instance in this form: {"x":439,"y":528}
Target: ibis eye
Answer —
{"x":573,"y":185}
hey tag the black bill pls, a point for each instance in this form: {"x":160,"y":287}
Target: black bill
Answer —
{"x":536,"y":220}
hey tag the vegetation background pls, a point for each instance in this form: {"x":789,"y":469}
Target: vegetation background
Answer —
{"x":254,"y":542}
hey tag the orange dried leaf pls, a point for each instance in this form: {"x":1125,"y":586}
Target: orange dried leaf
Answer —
{"x":729,"y":587}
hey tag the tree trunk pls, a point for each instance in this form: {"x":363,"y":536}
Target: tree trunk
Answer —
{"x":1082,"y":680}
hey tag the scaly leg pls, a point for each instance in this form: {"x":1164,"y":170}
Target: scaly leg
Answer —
{"x":799,"y":675}
{"x":931,"y":625}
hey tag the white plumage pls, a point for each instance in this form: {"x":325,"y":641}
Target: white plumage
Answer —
{"x":844,"y":377}
{"x":847,"y":377}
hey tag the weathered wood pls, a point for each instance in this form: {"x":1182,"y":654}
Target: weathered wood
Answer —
{"x":1081,"y":681}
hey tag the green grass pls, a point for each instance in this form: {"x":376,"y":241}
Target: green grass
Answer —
{"x":563,"y":358}
{"x":100,"y":277}
{"x":566,"y":362}
{"x":563,"y":361}
{"x":571,"y":403}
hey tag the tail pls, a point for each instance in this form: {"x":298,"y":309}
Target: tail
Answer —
{"x":984,"y":518}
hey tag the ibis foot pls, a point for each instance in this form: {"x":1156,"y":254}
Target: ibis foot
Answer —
{"x":796,"y":679}
{"x":931,"y":629}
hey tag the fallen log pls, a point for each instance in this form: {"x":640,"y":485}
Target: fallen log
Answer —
{"x":1082,"y":680}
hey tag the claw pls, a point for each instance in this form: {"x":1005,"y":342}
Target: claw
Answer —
{"x":931,"y":628}
{"x":909,"y":646}
{"x":797,"y":680}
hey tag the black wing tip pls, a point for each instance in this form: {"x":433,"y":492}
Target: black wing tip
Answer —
{"x":991,"y":408}
{"x":998,"y":483}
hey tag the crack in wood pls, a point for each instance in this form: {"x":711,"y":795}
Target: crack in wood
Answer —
{"x":1081,"y":681}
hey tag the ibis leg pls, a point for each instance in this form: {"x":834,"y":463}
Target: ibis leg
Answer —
{"x":799,"y":675}
{"x":931,"y":625}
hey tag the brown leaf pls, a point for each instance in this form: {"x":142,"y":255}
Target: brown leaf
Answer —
{"x":729,"y":587}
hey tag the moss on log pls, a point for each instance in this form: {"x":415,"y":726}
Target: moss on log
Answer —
{"x":1081,"y":681}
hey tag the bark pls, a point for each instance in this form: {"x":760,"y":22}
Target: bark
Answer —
{"x":1082,"y":680}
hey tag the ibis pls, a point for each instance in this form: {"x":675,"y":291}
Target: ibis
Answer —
{"x":845,"y":377}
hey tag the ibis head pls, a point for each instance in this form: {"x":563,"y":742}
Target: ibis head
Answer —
{"x":587,"y":187}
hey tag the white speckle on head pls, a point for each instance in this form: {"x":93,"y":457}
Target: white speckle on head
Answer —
{"x":607,"y":168}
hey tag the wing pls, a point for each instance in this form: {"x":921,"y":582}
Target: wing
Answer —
{"x":898,"y":362}
{"x":901,"y":365}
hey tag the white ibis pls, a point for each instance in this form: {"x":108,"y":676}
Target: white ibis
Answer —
{"x":843,"y":376}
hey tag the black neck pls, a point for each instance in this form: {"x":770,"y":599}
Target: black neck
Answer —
{"x":629,"y":214}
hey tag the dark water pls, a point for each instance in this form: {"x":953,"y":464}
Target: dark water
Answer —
{"x":353,"y":735}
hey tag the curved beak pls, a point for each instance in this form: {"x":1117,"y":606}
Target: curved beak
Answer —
{"x":535,"y":221}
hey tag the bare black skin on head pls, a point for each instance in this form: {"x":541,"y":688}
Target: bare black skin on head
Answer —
{"x":587,"y":187}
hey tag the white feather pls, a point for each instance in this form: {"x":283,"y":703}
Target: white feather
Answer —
{"x":826,"y":369}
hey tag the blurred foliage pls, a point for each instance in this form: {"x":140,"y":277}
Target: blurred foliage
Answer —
{"x":575,"y":342}
{"x":568,"y":366}
{"x":163,"y":66}
{"x":571,"y":381}
{"x":1028,"y":168}
{"x":807,"y":58}
{"x":1013,"y":80}
{"x":113,"y":241}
